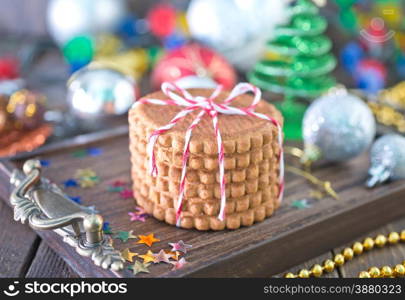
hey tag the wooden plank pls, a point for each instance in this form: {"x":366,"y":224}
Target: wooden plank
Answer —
{"x":388,"y":255}
{"x":261,"y":250}
{"x":308,"y":265}
{"x":18,"y":245}
{"x":48,"y":264}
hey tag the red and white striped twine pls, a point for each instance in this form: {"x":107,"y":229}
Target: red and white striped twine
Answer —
{"x":212,"y":109}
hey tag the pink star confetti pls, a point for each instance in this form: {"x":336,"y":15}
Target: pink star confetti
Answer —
{"x":178,"y":264}
{"x":140,"y":210}
{"x":137,"y":217}
{"x":126,"y":194}
{"x":162,"y":256}
{"x":180,"y":246}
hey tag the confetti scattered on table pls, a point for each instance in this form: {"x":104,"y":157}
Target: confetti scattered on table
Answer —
{"x":118,"y":183}
{"x":147,"y":239}
{"x":162,"y":256}
{"x":126,"y":194}
{"x":94,"y":151}
{"x":124,"y":236}
{"x":139,"y":267}
{"x":180,"y":246}
{"x":301,"y":204}
{"x":128,"y":255}
{"x":148,"y":257}
{"x":70,"y":183}
{"x":179,"y":264}
{"x":45,"y":162}
{"x":106,"y":228}
{"x":87,"y":178}
{"x":135,"y":216}
{"x":114,"y":189}
{"x":79,"y":153}
{"x":77,"y":199}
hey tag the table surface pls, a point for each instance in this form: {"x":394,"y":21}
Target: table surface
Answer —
{"x":25,"y":255}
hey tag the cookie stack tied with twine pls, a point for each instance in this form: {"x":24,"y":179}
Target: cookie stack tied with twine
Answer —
{"x":207,"y":159}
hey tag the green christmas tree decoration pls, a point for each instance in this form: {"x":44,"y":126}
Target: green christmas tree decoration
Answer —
{"x":297,"y":64}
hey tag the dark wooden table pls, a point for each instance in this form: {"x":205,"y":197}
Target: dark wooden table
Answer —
{"x":24,"y":254}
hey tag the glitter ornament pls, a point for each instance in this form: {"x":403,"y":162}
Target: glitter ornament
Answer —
{"x":337,"y":127}
{"x":236,"y":29}
{"x":193,"y":60}
{"x":97,"y":91}
{"x":387,"y":158}
{"x":69,"y":18}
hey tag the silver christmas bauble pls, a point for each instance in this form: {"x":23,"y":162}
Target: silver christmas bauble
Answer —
{"x":238,"y":29}
{"x":339,"y":126}
{"x":67,"y":19}
{"x":387,"y":158}
{"x":97,"y":92}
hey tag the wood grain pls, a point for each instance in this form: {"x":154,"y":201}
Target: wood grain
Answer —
{"x":18,"y":245}
{"x":262,"y":250}
{"x":48,"y":264}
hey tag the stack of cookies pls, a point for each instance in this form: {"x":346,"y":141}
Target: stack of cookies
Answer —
{"x":251,"y":164}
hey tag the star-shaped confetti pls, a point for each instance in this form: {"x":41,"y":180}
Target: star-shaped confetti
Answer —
{"x":79,"y":153}
{"x":179,"y":264}
{"x":118,"y":183}
{"x":45,"y":162}
{"x":94,"y":151}
{"x":147,"y":239}
{"x":126,"y":194}
{"x":134,"y":216}
{"x":301,"y":204}
{"x":148,"y":257}
{"x":70,"y":183}
{"x":162,"y":256}
{"x":139,"y":267}
{"x":106,"y":228}
{"x":128,"y":255}
{"x":180,"y":246}
{"x":88,"y":182}
{"x":124,"y":236}
{"x":80,"y":173}
{"x":114,"y":189}
{"x":77,"y":199}
{"x":174,"y":255}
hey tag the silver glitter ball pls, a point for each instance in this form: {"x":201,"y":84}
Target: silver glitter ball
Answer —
{"x":339,"y":125}
{"x":238,"y":29}
{"x":387,"y":158}
{"x":100,"y":92}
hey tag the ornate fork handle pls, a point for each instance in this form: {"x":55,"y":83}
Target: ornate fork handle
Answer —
{"x":85,"y":234}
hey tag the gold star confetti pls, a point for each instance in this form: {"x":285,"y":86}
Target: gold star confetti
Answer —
{"x":147,"y":239}
{"x":80,"y":173}
{"x":148,"y":257}
{"x":128,"y":255}
{"x":174,"y":255}
{"x":139,"y":267}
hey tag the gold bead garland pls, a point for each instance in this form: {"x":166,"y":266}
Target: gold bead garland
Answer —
{"x":358,"y":248}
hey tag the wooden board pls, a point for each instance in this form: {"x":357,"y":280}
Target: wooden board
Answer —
{"x":290,"y":237}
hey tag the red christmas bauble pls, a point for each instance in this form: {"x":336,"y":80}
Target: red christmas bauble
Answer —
{"x":162,"y":20}
{"x":193,"y":60}
{"x":9,"y":68}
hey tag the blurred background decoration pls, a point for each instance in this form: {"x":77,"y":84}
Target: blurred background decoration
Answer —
{"x":93,"y":59}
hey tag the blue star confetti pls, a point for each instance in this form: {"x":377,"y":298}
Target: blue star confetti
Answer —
{"x":78,"y":200}
{"x":45,"y":162}
{"x":106,"y":228}
{"x":70,"y":183}
{"x":94,"y":151}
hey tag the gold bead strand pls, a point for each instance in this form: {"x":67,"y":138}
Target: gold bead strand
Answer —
{"x":357,"y":249}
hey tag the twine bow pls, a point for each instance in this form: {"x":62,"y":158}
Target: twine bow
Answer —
{"x":207,"y":106}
